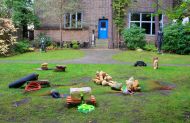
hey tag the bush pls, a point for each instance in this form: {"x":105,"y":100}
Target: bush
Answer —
{"x":75,"y":45}
{"x":22,"y":46}
{"x":41,"y":36}
{"x":134,"y":37}
{"x":150,"y":47}
{"x":7,"y":39}
{"x":177,"y":39}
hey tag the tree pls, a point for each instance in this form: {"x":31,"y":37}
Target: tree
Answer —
{"x":57,"y":10}
{"x":181,"y":9}
{"x":7,"y":40}
{"x":119,"y":12}
{"x":22,"y":14}
{"x":4,"y":12}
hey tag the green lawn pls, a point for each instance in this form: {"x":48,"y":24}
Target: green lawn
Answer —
{"x":50,"y":55}
{"x":148,"y":106}
{"x":133,"y":56}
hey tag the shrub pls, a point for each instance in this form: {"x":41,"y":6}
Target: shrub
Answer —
{"x":39,"y":38}
{"x":177,"y":39}
{"x":150,"y":47}
{"x":22,"y":46}
{"x":65,"y":45}
{"x":134,"y":37}
{"x":51,"y":47}
{"x":7,"y":40}
{"x":75,"y":45}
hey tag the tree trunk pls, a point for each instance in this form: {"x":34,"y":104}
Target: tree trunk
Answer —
{"x":24,"y":31}
{"x":61,"y":35}
{"x":156,"y":29}
{"x":156,"y":23}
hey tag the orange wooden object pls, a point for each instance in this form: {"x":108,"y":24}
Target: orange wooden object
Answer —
{"x":71,"y":101}
{"x":32,"y":86}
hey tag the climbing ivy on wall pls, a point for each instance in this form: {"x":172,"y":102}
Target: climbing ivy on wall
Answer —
{"x":119,"y":10}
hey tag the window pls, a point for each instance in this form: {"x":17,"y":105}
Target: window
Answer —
{"x":146,"y":21}
{"x":161,"y":22}
{"x":73,"y":20}
{"x":103,"y":25}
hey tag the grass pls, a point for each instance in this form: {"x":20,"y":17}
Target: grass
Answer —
{"x":150,"y":105}
{"x":50,"y":55}
{"x":133,"y":56}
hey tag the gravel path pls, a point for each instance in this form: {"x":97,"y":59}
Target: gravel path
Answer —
{"x":92,"y":56}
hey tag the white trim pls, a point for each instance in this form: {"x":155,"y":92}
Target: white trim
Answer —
{"x":70,"y":21}
{"x":141,"y":22}
{"x":151,"y":25}
{"x":76,"y":19}
{"x":64,"y":18}
{"x":81,"y":20}
{"x":129,"y":21}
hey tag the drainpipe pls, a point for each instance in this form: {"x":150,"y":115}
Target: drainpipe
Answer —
{"x":112,"y":35}
{"x":156,"y":23}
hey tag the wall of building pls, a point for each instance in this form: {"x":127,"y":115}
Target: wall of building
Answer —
{"x":147,"y":6}
{"x":68,"y":35}
{"x":92,"y":10}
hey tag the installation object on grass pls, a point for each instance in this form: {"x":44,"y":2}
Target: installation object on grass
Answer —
{"x":22,"y":81}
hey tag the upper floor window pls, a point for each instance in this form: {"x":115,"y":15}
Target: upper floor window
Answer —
{"x":146,"y":21}
{"x":73,"y":20}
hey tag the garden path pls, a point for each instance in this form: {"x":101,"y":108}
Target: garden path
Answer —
{"x":92,"y":56}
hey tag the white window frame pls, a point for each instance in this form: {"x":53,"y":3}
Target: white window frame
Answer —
{"x":141,"y":21}
{"x":76,"y":21}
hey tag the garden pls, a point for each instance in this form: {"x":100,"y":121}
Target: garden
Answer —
{"x":151,"y":104}
{"x":153,"y":86}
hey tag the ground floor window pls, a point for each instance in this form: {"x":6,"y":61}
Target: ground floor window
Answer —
{"x":73,"y":20}
{"x":146,"y":21}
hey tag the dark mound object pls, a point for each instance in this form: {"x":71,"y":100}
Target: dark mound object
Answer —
{"x":60,"y":68}
{"x":22,"y":81}
{"x":140,"y":64}
{"x":55,"y":94}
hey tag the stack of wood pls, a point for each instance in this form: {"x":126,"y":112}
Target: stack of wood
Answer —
{"x":133,"y":85}
{"x":102,"y":78}
{"x":60,"y":68}
{"x":44,"y":66}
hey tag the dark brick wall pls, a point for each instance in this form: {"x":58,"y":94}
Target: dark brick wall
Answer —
{"x":93,"y":10}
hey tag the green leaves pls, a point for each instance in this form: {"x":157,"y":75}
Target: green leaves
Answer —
{"x":119,"y":13}
{"x":134,"y":37}
{"x":177,"y":39}
{"x":22,"y":12}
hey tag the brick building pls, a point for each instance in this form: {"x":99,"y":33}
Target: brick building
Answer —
{"x":97,"y":15}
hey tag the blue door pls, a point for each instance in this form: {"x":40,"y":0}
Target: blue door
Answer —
{"x":103,"y":29}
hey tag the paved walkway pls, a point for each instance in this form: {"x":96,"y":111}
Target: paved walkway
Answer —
{"x":92,"y":56}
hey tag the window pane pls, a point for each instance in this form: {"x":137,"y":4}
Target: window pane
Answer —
{"x":160,"y":17}
{"x":160,"y":26}
{"x":135,"y":23}
{"x":146,"y":17}
{"x":73,"y":22}
{"x":79,"y":20}
{"x":103,"y":24}
{"x":153,"y":18}
{"x":135,"y":17}
{"x":67,"y":20}
{"x":153,"y":28}
{"x":147,"y":27}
